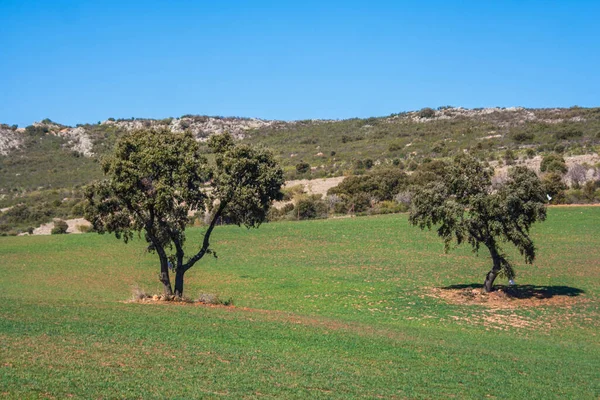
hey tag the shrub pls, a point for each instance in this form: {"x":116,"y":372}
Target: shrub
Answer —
{"x":555,"y":187}
{"x":311,"y":207}
{"x":568,"y":133}
{"x":83,"y":228}
{"x":395,"y":147}
{"x":557,"y":166}
{"x":290,"y":192}
{"x":522,"y":137}
{"x":427,"y":113}
{"x":60,"y":227}
{"x":549,"y":159}
{"x":302,"y":167}
{"x":509,"y":157}
{"x":383,"y":184}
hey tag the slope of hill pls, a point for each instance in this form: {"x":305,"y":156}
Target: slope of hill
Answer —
{"x":46,"y":162}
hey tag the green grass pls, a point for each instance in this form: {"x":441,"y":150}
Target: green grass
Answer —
{"x":323,"y":309}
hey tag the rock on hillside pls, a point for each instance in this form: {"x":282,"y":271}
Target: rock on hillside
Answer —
{"x":201,"y":126}
{"x":10,"y":139}
{"x":81,"y":138}
{"x":78,"y":140}
{"x":503,"y":117}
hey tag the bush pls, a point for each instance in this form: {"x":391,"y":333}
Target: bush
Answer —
{"x":555,"y":187}
{"x":553,"y":158}
{"x":427,"y":113}
{"x":568,"y":133}
{"x":557,"y":167}
{"x":509,"y":157}
{"x":382,"y":184}
{"x":311,"y":207}
{"x":60,"y":227}
{"x":291,"y":192}
{"x":302,"y":167}
{"x":522,"y":137}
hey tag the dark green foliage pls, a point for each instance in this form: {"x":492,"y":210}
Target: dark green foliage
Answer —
{"x":464,"y":208}
{"x":302,"y":167}
{"x":39,"y":207}
{"x":428,"y":172}
{"x":382,"y":184}
{"x":554,"y":186}
{"x":567,"y":133}
{"x":427,"y":112}
{"x":156,"y":177}
{"x":311,"y":207}
{"x":554,"y":161}
{"x":523,"y":137}
{"x":509,"y":157}
{"x":556,"y":166}
{"x":60,"y":227}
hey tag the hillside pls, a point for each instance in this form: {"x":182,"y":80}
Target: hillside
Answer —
{"x":45,"y":164}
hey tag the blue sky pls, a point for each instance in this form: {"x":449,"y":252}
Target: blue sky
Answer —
{"x":85,"y":61}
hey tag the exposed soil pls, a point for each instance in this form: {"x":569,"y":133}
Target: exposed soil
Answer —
{"x":75,"y":226}
{"x":510,"y":296}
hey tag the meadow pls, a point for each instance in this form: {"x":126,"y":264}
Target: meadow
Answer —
{"x":342,"y":308}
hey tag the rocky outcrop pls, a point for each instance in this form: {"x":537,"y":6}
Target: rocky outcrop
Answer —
{"x":78,"y":140}
{"x":10,"y":139}
{"x":201,"y":126}
{"x":502,"y":117}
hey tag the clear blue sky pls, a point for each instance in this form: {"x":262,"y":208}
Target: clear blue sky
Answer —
{"x":84,"y":61}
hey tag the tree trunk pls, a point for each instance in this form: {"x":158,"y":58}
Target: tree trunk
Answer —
{"x":489,"y":280}
{"x":179,"y":282}
{"x":164,"y":276}
{"x":488,"y":284}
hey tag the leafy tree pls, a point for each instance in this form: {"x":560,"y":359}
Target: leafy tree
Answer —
{"x":155,"y":177}
{"x":466,"y":209}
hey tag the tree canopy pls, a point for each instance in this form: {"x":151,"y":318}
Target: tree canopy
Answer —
{"x":465,"y":207}
{"x":155,"y":178}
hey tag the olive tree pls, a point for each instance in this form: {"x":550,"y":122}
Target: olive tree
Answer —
{"x":155,"y":178}
{"x":465,"y":208}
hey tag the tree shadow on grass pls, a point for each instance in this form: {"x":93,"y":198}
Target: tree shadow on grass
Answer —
{"x":525,"y":291}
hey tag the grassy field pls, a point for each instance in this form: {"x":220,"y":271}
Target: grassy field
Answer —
{"x":323,"y":309}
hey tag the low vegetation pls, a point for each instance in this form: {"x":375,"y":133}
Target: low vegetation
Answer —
{"x":346,"y":308}
{"x":52,"y":159}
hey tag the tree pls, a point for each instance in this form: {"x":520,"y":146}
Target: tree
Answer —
{"x":466,"y":209}
{"x":155,"y":177}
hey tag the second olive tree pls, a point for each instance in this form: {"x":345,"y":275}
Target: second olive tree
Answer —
{"x":465,"y":207}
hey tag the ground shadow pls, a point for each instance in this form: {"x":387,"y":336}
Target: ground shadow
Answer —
{"x":525,"y":291}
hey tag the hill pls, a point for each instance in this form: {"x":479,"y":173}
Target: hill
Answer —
{"x":46,"y":163}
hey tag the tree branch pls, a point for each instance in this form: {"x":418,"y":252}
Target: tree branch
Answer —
{"x":206,"y":242}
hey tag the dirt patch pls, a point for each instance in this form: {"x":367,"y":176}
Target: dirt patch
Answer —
{"x":317,"y":186}
{"x":76,"y":225}
{"x":510,"y":296}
